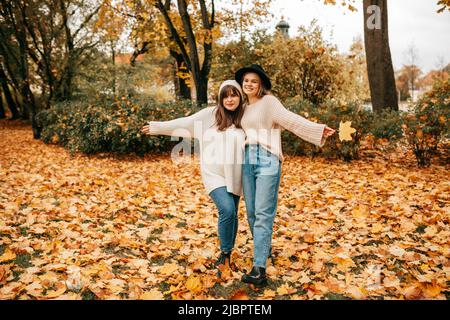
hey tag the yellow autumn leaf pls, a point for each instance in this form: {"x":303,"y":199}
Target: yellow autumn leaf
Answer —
{"x":431,"y":290}
{"x":345,"y":131}
{"x":360,"y":211}
{"x":309,"y":238}
{"x":268,"y":293}
{"x":194,"y":284}
{"x":376,"y":228}
{"x":60,"y":288}
{"x":7,"y":255}
{"x":4,"y":273}
{"x":285,"y":290}
{"x":153,"y":294}
{"x":168,"y":269}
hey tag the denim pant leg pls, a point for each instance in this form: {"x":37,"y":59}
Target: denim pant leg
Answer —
{"x":249,"y":187}
{"x":227,"y":206}
{"x":266,"y":200}
{"x":267,"y":182}
{"x":261,"y":179}
{"x":236,"y":206}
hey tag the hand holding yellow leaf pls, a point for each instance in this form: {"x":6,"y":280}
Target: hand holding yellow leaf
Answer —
{"x":345,"y":131}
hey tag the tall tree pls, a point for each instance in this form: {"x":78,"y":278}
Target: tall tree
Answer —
{"x":14,"y":50}
{"x":10,"y":102}
{"x":2,"y":109}
{"x":379,"y":62}
{"x":378,"y":54}
{"x":190,"y":30}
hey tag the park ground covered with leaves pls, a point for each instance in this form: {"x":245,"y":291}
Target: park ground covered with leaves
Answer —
{"x":129,"y":227}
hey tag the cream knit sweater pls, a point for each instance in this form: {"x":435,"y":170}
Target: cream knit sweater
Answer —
{"x":221,"y":152}
{"x":264,"y":120}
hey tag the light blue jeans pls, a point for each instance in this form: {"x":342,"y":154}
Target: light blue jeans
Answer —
{"x":260,"y":181}
{"x":228,"y":205}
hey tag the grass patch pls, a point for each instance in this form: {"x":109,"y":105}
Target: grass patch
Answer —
{"x":336,"y":296}
{"x":181,"y":224}
{"x":16,"y":274}
{"x":219,"y":291}
{"x":23,"y":231}
{"x":159,"y":261}
{"x":447,"y":295}
{"x":23,"y":260}
{"x":421,"y":229}
{"x":373,"y":242}
{"x":164,"y":287}
{"x":88,"y":295}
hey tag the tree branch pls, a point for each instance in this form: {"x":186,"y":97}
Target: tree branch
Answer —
{"x":161,"y":7}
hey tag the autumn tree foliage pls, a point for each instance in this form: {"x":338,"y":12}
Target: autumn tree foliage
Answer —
{"x":407,"y":80}
{"x":43,"y":43}
{"x":189,"y":29}
{"x":305,"y":67}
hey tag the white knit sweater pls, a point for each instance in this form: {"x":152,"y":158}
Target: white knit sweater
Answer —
{"x":221,"y":152}
{"x":264,"y":120}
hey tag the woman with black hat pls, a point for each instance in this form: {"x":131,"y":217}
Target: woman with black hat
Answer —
{"x":263,"y":120}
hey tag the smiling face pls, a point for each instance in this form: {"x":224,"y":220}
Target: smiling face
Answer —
{"x":231,"y":99}
{"x":230,"y":108}
{"x":251,"y":84}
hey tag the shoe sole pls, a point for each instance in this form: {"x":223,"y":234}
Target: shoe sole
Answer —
{"x":256,"y":283}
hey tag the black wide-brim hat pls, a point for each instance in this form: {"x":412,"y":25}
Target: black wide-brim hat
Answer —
{"x":239,"y":75}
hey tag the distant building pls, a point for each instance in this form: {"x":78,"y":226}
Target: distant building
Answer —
{"x":283,"y":28}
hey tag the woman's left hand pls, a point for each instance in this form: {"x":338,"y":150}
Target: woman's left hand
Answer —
{"x":328,"y":132}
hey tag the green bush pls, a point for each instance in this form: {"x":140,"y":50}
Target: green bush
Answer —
{"x":109,"y":125}
{"x":330,"y":114}
{"x":429,"y":123}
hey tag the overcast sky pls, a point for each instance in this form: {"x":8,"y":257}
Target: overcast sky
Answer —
{"x":411,"y":22}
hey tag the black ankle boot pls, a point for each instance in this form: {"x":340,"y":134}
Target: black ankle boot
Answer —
{"x":223,"y":258}
{"x":257,"y":276}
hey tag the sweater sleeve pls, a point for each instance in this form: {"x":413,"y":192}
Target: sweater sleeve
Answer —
{"x":181,"y":127}
{"x":304,"y":128}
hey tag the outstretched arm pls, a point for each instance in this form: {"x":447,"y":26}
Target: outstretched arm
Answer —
{"x":182,"y":127}
{"x":310,"y":131}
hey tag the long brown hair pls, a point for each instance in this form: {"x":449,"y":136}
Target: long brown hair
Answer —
{"x":224,"y":117}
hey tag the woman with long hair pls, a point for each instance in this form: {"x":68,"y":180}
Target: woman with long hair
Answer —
{"x":221,"y":141}
{"x":263,"y":120}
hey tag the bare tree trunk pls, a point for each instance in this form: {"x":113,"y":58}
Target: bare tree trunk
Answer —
{"x":182,"y":90}
{"x":2,"y":109}
{"x":193,"y":52}
{"x":8,"y":96}
{"x":113,"y":59}
{"x":379,"y":62}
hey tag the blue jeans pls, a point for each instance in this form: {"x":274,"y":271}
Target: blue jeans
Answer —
{"x":227,"y":204}
{"x":260,"y":181}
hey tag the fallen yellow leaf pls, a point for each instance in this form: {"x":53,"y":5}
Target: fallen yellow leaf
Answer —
{"x":194,"y":284}
{"x":7,"y":255}
{"x":153,"y":294}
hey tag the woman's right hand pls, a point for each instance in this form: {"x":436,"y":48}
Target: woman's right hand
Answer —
{"x":146,"y":129}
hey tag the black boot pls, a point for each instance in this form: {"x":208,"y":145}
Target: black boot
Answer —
{"x":223,"y":258}
{"x":257,"y":276}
